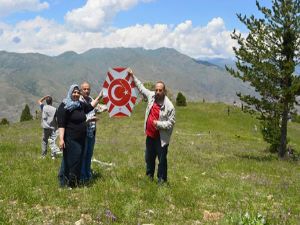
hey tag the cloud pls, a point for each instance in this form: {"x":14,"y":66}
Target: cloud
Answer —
{"x":213,"y":40}
{"x":16,"y":40}
{"x":95,"y":14}
{"x":11,"y":6}
{"x":37,"y":35}
{"x":48,"y":37}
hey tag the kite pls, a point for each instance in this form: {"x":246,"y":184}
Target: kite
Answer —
{"x":119,"y":92}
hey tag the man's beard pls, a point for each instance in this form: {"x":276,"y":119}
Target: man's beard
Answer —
{"x":159,"y":97}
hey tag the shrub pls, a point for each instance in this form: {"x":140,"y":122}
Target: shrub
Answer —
{"x":4,"y":121}
{"x":180,"y":99}
{"x":151,"y":86}
{"x":25,"y":116}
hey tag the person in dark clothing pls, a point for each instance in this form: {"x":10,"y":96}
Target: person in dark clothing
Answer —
{"x":71,"y":118}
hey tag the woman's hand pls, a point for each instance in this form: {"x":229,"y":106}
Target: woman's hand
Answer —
{"x":92,"y":119}
{"x":61,"y":144}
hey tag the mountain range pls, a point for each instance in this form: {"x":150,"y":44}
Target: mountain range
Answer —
{"x":26,"y":77}
{"x":221,"y":62}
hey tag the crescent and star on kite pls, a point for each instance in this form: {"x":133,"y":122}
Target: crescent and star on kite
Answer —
{"x":120,"y":93}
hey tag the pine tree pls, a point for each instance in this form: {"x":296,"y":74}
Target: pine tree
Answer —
{"x":180,"y":99}
{"x":150,"y":86}
{"x":4,"y":121}
{"x":266,"y":59}
{"x":25,"y":116}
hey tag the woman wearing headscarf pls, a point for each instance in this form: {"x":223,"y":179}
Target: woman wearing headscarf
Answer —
{"x":71,"y":118}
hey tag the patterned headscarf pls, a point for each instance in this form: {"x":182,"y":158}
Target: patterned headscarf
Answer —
{"x":70,"y":105}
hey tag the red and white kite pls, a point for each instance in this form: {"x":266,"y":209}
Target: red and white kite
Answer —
{"x":119,"y":92}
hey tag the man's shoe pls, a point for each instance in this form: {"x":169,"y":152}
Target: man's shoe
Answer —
{"x":150,"y":177}
{"x":161,"y":181}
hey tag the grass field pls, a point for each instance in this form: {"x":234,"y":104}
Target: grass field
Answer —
{"x":219,"y":173}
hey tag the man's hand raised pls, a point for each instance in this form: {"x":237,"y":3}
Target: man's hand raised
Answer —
{"x":130,"y":72}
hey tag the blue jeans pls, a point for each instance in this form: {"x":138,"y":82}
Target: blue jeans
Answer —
{"x":86,"y":172}
{"x":153,"y":150}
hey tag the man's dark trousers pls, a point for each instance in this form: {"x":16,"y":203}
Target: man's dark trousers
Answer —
{"x":153,"y":149}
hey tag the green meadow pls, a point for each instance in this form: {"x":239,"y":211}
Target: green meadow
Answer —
{"x":219,"y":172}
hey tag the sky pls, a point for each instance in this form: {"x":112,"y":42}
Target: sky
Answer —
{"x":198,"y":28}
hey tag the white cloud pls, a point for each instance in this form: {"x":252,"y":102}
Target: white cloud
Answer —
{"x":212,"y":40}
{"x":97,"y":13}
{"x":48,"y":37}
{"x":11,"y":6}
{"x":38,"y":35}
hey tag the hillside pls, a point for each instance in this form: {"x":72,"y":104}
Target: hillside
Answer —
{"x":26,"y":77}
{"x":221,"y":62}
{"x":219,"y":172}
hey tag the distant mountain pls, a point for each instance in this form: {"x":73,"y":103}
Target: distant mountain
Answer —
{"x":24,"y":78}
{"x":221,"y":62}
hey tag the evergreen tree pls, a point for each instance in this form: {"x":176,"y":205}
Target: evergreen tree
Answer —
{"x":151,"y":86}
{"x":266,"y":59}
{"x":180,"y":99}
{"x":4,"y":121}
{"x":26,"y":114}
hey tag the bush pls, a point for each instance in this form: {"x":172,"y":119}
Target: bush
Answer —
{"x":151,"y":86}
{"x":180,"y":99}
{"x":25,"y":116}
{"x":4,"y":121}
